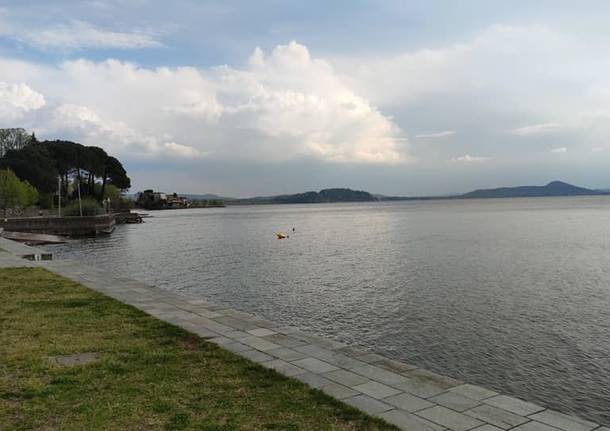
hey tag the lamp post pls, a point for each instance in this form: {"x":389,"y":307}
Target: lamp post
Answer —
{"x":80,"y":205}
{"x":59,"y":196}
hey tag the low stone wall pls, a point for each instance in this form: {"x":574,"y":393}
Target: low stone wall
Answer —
{"x":65,"y":226}
{"x":26,"y":212}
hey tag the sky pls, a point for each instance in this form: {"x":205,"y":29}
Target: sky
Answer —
{"x":243,"y":98}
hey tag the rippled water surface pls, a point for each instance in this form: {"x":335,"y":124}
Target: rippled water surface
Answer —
{"x":512,"y":294}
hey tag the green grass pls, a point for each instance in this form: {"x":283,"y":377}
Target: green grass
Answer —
{"x":151,"y":375}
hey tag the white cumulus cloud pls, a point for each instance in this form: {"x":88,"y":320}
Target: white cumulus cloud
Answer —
{"x":559,"y":150}
{"x":467,"y":158}
{"x":283,"y":105}
{"x":82,"y":123}
{"x":436,"y":134}
{"x":180,"y":150}
{"x":18,"y":99}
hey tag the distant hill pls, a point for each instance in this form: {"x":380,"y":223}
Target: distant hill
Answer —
{"x":323,"y":196}
{"x":554,"y":188}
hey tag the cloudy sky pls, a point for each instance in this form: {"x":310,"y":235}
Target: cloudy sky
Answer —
{"x":246,"y":98}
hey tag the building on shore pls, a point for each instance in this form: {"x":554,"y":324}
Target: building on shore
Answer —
{"x":151,"y":200}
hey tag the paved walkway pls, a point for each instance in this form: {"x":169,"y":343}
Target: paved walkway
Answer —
{"x":409,"y":397}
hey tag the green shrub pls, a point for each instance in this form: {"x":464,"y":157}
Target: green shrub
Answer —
{"x":122,"y":205}
{"x":46,"y":201}
{"x":117,"y":201}
{"x":90,"y":206}
{"x":29,"y":195}
{"x":14,"y":193}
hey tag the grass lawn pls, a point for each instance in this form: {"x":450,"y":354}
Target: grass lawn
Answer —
{"x":149,"y":375}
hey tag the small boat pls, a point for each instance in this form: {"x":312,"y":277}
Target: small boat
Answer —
{"x":281,"y":235}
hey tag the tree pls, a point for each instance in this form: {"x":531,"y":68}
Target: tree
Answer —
{"x":14,"y":139}
{"x":35,"y":164}
{"x":40,"y":163}
{"x":116,"y":175}
{"x":15,"y":193}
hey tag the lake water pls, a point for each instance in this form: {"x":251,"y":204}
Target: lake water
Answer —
{"x":512,"y":294}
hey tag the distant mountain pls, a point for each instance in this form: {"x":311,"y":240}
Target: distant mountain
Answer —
{"x":323,"y":196}
{"x":554,"y":188}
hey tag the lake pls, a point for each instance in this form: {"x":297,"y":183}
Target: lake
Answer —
{"x":511,"y":294}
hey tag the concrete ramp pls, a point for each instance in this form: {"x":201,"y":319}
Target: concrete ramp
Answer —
{"x":24,"y":251}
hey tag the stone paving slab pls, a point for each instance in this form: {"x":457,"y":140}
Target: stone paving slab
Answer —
{"x":474,"y":392}
{"x":332,"y":357}
{"x":314,"y":380}
{"x":259,"y":343}
{"x":497,"y":417}
{"x":315,"y":365}
{"x":261,"y":332}
{"x":255,"y":356}
{"x":338,"y":391}
{"x":283,"y":367}
{"x":376,"y":390}
{"x":513,"y":405}
{"x":563,"y":422}
{"x":432,"y":378}
{"x":454,"y":401}
{"x":449,"y":418}
{"x":287,"y":354}
{"x":236,"y":347}
{"x":420,"y":388}
{"x":534,"y":426}
{"x":409,"y":397}
{"x":368,"y":404}
{"x":487,"y":427}
{"x":407,"y":421}
{"x":409,"y":403}
{"x":284,"y":340}
{"x":346,"y":377}
{"x":380,"y":375}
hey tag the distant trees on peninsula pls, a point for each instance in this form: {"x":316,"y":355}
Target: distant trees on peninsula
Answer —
{"x":323,"y":196}
{"x":84,"y":170}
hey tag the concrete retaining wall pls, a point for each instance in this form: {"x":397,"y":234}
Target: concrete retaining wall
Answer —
{"x":66,"y":226}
